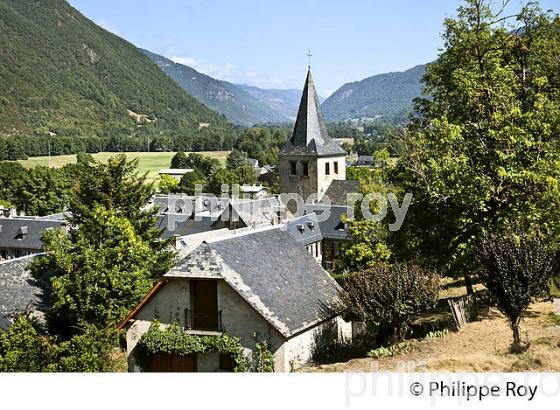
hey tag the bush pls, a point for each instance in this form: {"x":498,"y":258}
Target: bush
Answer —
{"x":386,"y":298}
{"x":516,"y":270}
{"x":22,"y":349}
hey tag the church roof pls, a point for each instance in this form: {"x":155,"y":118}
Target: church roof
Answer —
{"x":310,"y":134}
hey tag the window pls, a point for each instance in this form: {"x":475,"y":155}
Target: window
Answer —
{"x":327,"y":168}
{"x":305,"y":168}
{"x":336,"y":167}
{"x":293,"y":168}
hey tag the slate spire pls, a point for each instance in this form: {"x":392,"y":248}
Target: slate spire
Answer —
{"x":310,"y":134}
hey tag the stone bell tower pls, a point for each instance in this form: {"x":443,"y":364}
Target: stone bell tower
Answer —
{"x":310,"y":160}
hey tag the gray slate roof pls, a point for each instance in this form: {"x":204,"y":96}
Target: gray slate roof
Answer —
{"x":330,"y":220}
{"x":181,"y":225}
{"x":272,"y":272}
{"x":19,"y":291}
{"x":310,"y":134}
{"x":25,"y":233}
{"x":305,"y":229}
{"x":339,"y":189}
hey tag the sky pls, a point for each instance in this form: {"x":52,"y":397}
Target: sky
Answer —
{"x":264,"y":43}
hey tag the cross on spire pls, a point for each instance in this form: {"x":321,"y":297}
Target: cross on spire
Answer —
{"x":309,"y":55}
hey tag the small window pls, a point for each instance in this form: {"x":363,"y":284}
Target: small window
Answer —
{"x":336,"y":167}
{"x":327,"y":168}
{"x":293,"y":168}
{"x":305,"y":168}
{"x":226,"y":363}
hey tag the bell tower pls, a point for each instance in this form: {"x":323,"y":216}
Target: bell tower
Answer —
{"x":310,"y":160}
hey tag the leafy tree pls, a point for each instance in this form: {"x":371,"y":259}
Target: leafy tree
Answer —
{"x":189,"y":180}
{"x":367,"y":247}
{"x":236,"y":159}
{"x":246,"y":175}
{"x":179,"y":161}
{"x":42,"y":191}
{"x":222,"y":177}
{"x":167,"y":184}
{"x":386,"y":297}
{"x":516,"y":269}
{"x":484,"y":150}
{"x":97,"y":275}
{"x":117,"y":187}
{"x":206,"y":165}
{"x":11,"y":175}
{"x":21,"y":348}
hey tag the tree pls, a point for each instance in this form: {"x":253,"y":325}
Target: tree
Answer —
{"x":167,"y":184}
{"x":21,"y":348}
{"x":96,"y":276}
{"x":236,"y":159}
{"x":484,"y":150}
{"x":386,"y":297}
{"x":42,"y":191}
{"x":116,"y":186}
{"x":206,"y":165}
{"x":516,"y":269}
{"x":189,"y":180}
{"x":367,"y":247}
{"x":179,"y":161}
{"x":11,"y":175}
{"x":222,"y":177}
{"x":246,"y":175}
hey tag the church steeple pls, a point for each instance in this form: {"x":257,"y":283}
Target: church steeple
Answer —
{"x":310,"y":134}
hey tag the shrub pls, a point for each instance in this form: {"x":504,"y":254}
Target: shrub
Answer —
{"x":386,"y":298}
{"x":516,"y":269}
{"x":21,"y":348}
{"x":390,"y":351}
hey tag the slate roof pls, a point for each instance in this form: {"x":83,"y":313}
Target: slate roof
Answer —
{"x":25,"y":233}
{"x":19,"y":291}
{"x":272,"y":272}
{"x":365,"y":160}
{"x":180,"y":224}
{"x":256,"y":212}
{"x":339,"y":189}
{"x":310,"y":134}
{"x":330,"y":220}
{"x":305,"y":229}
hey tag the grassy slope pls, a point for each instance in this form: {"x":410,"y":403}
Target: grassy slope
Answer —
{"x":62,"y":73}
{"x":482,"y":345}
{"x":150,"y":162}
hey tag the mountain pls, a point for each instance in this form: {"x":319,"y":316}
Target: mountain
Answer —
{"x":228,"y":99}
{"x":388,"y":96}
{"x":286,"y":102}
{"x":60,"y":73}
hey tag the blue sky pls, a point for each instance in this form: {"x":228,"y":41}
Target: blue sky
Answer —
{"x":264,"y":43}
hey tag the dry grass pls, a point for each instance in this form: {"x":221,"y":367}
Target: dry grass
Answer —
{"x":480,"y":346}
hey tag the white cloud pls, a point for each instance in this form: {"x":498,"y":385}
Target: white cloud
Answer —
{"x":229,"y":72}
{"x":108,"y":26}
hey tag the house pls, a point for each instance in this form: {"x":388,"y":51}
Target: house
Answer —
{"x":175,"y":173}
{"x":307,"y":232}
{"x":21,"y":236}
{"x":19,"y":292}
{"x":340,"y":191}
{"x":253,"y":162}
{"x":253,"y":191}
{"x":364,"y":161}
{"x":334,"y":232}
{"x":259,"y":284}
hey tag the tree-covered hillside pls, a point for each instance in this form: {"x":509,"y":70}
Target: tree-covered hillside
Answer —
{"x":62,"y":74}
{"x":386,"y":96}
{"x":228,"y":99}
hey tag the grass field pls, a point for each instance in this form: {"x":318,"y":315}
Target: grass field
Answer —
{"x":150,"y":162}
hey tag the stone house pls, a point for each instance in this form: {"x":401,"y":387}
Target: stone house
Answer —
{"x":21,"y":236}
{"x":258,"y":282}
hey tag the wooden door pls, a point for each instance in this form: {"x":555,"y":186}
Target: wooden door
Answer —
{"x":162,"y":362}
{"x":204,"y":305}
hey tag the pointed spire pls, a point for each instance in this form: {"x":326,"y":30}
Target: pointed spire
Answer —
{"x":310,"y":134}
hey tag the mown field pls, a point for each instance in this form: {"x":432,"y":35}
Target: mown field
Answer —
{"x":150,"y":162}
